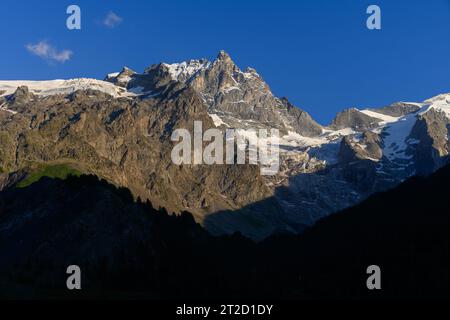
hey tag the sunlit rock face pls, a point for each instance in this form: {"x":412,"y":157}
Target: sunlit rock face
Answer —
{"x":120,"y":129}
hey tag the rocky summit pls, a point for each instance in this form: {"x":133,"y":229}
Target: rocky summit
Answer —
{"x":119,"y":129}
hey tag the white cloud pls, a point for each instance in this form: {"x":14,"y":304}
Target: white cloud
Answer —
{"x":112,"y":20}
{"x":46,"y":51}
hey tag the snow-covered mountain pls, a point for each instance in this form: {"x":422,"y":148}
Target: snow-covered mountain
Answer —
{"x":54,"y":87}
{"x":323,"y":168}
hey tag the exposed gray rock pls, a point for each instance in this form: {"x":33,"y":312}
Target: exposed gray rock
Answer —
{"x":301,"y":121}
{"x":241,"y":98}
{"x":431,"y":133}
{"x":21,"y":96}
{"x":398,"y":109}
{"x":123,"y":78}
{"x":363,"y":147}
{"x":353,"y":118}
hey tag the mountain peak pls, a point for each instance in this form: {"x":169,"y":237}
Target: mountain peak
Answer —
{"x":126,"y":70}
{"x":225,"y":60}
{"x":223,"y":56}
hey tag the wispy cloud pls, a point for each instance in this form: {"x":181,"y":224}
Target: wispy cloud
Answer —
{"x":48,"y":52}
{"x":112,"y":20}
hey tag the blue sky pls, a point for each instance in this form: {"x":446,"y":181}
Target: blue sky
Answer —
{"x":318,"y":53}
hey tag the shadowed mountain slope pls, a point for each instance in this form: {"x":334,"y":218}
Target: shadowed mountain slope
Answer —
{"x":127,"y":249}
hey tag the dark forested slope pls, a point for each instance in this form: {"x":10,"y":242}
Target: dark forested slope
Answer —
{"x":127,"y":249}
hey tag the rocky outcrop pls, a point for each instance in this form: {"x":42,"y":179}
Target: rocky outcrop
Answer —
{"x":354,"y":119}
{"x":301,"y":121}
{"x":431,"y":134}
{"x":365,"y":146}
{"x":8,"y":180}
{"x":358,"y":160}
{"x":398,"y":109}
{"x":241,"y":98}
{"x":122,"y":78}
{"x":21,"y":96}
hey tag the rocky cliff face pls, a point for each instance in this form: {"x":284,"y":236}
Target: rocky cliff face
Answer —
{"x":241,"y":98}
{"x":354,"y":119}
{"x":120,"y":130}
{"x":398,"y":109}
{"x":431,"y":132}
{"x":127,"y":141}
